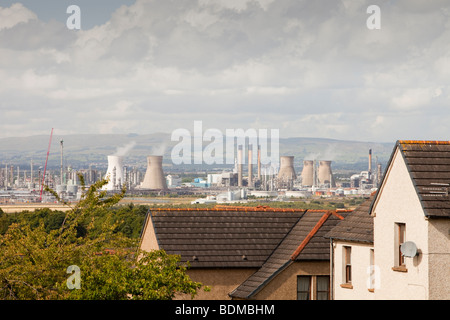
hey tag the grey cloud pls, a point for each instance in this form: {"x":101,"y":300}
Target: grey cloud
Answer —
{"x":306,"y":67}
{"x":131,"y":45}
{"x":34,"y":35}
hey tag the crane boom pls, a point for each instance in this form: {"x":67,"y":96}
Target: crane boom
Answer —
{"x":45,"y":168}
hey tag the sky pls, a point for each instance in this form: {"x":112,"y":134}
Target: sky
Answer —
{"x":306,"y":68}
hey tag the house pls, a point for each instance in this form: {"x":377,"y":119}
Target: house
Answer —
{"x":298,"y":268}
{"x":397,"y":245}
{"x":352,"y":256}
{"x":248,"y":253}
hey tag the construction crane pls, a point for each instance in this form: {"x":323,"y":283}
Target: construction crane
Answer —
{"x":45,"y":168}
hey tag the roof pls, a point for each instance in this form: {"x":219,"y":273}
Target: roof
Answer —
{"x":304,"y":242}
{"x":428,"y":163}
{"x":357,"y":226}
{"x":316,"y":224}
{"x":222,"y":238}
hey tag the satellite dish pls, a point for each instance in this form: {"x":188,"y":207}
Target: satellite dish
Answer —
{"x":408,"y":249}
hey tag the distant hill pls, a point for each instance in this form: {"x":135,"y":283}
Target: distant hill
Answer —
{"x":81,"y":150}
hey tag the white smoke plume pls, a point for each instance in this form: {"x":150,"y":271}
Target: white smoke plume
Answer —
{"x":159,"y":150}
{"x":312,"y":156}
{"x":123,"y":151}
{"x":329,"y":154}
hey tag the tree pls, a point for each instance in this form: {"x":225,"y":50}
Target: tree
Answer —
{"x":34,"y":260}
{"x":156,"y":275}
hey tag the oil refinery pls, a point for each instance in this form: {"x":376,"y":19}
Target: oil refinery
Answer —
{"x":290,"y":177}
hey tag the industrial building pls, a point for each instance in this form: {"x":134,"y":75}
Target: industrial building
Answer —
{"x":279,"y":180}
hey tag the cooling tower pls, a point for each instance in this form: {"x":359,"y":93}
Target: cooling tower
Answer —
{"x":154,"y":176}
{"x":287,"y":172}
{"x":325,"y":174}
{"x":308,"y":173}
{"x":114,"y":173}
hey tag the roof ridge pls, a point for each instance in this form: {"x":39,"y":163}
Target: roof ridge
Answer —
{"x":444,"y":142}
{"x":232,"y":208}
{"x":313,"y":231}
{"x":282,"y":259}
{"x":262,"y":284}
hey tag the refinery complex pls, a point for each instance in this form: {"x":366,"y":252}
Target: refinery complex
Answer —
{"x":247,"y":179}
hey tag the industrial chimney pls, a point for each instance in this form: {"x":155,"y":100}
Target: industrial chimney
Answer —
{"x":325,"y":174}
{"x":240,"y":165}
{"x":114,"y":173}
{"x":308,"y":173}
{"x":286,"y":175}
{"x":250,"y":166}
{"x":154,"y":176}
{"x":259,"y":163}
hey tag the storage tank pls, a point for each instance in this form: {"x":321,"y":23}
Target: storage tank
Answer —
{"x":325,"y":174}
{"x":308,"y":173}
{"x":154,"y":176}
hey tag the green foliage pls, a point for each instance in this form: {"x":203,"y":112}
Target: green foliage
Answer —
{"x":36,"y":251}
{"x":130,"y":219}
{"x":154,"y":276}
{"x":160,"y":276}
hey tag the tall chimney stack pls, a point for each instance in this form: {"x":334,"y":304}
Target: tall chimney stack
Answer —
{"x":259,"y":163}
{"x":62,"y":170}
{"x":240,"y":166}
{"x":250,"y":165}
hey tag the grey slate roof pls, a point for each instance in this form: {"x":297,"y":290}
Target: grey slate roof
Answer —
{"x":428,"y":163}
{"x":357,"y":226}
{"x":266,"y":239}
{"x":316,"y":248}
{"x":212,"y":238}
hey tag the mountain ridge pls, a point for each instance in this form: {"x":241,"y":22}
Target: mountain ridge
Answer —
{"x":88,"y":149}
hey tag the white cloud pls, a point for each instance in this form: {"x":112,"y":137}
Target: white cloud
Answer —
{"x":301,"y":66}
{"x":414,"y":98}
{"x":17,"y":13}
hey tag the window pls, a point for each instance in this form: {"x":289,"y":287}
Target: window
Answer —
{"x":313,"y":287}
{"x":304,"y":287}
{"x":400,"y":238}
{"x":348,"y":264}
{"x":323,"y":288}
{"x":346,"y":267}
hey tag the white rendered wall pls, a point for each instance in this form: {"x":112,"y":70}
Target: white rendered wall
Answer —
{"x":398,"y":203}
{"x":361,"y":275}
